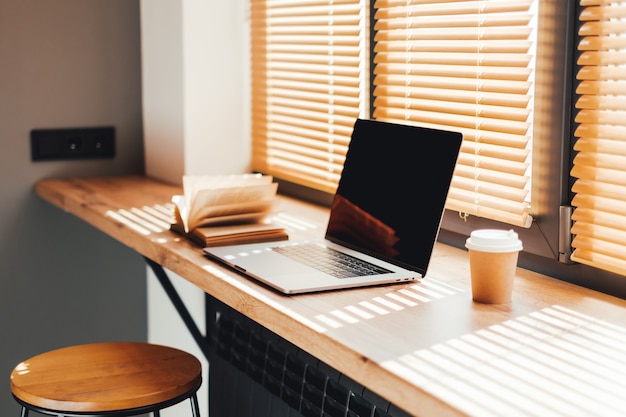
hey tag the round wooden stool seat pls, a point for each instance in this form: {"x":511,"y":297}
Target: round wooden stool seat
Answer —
{"x":120,"y":378}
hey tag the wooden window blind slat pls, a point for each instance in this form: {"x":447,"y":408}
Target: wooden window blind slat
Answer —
{"x":309,"y":85}
{"x":463,"y":65}
{"x":599,"y":215}
{"x":467,"y":66}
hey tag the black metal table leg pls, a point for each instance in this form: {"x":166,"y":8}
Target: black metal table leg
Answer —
{"x":201,"y":340}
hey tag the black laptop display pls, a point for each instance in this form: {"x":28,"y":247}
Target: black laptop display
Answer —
{"x":392,"y":192}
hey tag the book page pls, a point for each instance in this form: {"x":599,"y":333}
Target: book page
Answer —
{"x":220,"y":199}
{"x":230,"y":201}
{"x":193,"y":184}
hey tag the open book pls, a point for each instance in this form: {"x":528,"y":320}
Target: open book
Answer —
{"x":227,"y":209}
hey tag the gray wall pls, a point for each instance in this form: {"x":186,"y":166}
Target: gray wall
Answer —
{"x":65,"y":63}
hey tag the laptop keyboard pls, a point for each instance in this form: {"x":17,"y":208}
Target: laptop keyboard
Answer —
{"x":330,"y":261}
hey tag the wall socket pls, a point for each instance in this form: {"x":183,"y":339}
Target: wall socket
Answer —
{"x":74,"y":143}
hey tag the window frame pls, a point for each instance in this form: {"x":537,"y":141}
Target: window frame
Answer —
{"x":549,"y":231}
{"x":550,"y":160}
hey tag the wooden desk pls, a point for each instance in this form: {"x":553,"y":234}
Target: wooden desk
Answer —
{"x":556,"y":350}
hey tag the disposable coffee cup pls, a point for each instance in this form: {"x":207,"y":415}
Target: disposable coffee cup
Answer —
{"x":493,"y":257}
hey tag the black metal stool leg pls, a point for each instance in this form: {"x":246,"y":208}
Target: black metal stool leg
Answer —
{"x":24,"y":412}
{"x":195,"y":409}
{"x":156,"y":413}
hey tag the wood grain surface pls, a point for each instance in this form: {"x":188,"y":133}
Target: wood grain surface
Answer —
{"x":100,"y":377}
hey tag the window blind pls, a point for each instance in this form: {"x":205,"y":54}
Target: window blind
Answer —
{"x":465,"y":66}
{"x":309,"y":85}
{"x":599,"y":215}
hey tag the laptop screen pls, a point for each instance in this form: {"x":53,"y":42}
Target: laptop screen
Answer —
{"x":393,"y":188}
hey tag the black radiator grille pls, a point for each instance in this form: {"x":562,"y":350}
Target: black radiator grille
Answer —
{"x":296,"y":378}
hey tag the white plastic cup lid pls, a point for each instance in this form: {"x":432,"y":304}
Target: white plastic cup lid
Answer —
{"x":494,"y":240}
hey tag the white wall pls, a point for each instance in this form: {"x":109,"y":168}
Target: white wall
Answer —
{"x":162,"y":88}
{"x":216,"y":85}
{"x":195,"y":87}
{"x":196,"y":120}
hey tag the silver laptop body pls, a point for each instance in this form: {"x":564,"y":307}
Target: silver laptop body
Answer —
{"x":387,"y":211}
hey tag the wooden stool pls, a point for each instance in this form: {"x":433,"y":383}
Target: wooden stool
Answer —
{"x":112,"y":379}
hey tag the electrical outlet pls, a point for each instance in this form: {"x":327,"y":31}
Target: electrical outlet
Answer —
{"x":74,"y":143}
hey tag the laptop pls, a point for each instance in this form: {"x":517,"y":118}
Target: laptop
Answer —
{"x":386,"y":213}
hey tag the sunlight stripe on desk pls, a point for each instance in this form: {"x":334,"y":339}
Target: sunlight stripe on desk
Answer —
{"x":606,"y":375}
{"x":554,"y":355}
{"x":156,"y":221}
{"x":245,"y":286}
{"x":403,"y":300}
{"x":440,"y":286}
{"x":388,"y":303}
{"x":344,"y":316}
{"x":392,"y":301}
{"x":161,"y":212}
{"x":426,"y":291}
{"x":124,"y":220}
{"x":328,"y":321}
{"x":373,"y":307}
{"x":146,"y":220}
{"x":360,"y":312}
{"x":167,"y":209}
{"x":414,"y":295}
{"x":140,"y":221}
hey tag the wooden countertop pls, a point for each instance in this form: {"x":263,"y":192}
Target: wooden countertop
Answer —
{"x":556,"y":350}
